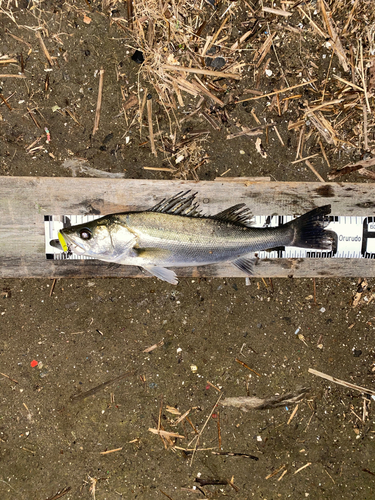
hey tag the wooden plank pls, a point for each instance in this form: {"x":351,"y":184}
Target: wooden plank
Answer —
{"x":25,"y":200}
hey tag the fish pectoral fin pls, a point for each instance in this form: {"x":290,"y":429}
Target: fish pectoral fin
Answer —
{"x":162,"y":273}
{"x":245,"y":264}
{"x":151,"y":252}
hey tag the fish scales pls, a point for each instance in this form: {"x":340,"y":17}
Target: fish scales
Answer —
{"x":205,"y":238}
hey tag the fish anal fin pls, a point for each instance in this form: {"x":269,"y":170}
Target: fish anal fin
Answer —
{"x":245,"y":264}
{"x":162,"y":273}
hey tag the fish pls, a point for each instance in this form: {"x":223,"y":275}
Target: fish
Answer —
{"x":175,"y":233}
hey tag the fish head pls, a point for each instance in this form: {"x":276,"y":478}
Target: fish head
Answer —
{"x":101,"y":239}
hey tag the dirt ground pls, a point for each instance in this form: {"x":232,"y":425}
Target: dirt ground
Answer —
{"x":77,"y":425}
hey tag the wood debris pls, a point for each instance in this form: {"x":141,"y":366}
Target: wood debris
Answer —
{"x":246,"y":403}
{"x":353,"y":167}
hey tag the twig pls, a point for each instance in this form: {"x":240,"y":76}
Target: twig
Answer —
{"x":292,"y":415}
{"x":99,"y":102}
{"x":303,"y":467}
{"x":233,"y":454}
{"x":165,"y":494}
{"x":154,"y":346}
{"x":33,"y":118}
{"x":60,"y":494}
{"x":10,"y":378}
{"x":248,"y":367}
{"x":94,"y":390}
{"x":52,"y":287}
{"x":342,"y":382}
{"x":5,"y":101}
{"x":214,"y":386}
{"x":218,"y":430}
{"x":110,"y":451}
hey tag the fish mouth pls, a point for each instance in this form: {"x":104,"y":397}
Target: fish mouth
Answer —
{"x":68,"y":245}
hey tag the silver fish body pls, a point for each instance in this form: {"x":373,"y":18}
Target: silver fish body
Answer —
{"x":175,"y":234}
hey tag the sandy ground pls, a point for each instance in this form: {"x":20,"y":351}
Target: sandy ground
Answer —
{"x":94,"y":389}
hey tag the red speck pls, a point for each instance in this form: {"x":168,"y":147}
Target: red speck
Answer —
{"x":34,"y":363}
{"x":207,"y":387}
{"x":214,"y":415}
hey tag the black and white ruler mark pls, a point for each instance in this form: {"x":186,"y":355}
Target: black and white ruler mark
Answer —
{"x":354,"y":237}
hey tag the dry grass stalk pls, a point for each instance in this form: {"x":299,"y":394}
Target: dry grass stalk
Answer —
{"x":304,"y":159}
{"x":10,"y":378}
{"x":155,"y":346}
{"x":337,"y":45}
{"x":110,"y":451}
{"x":275,"y":472}
{"x":314,"y":171}
{"x":348,"y":83}
{"x":44,"y":48}
{"x":278,"y":91}
{"x":246,"y":366}
{"x":157,"y":27}
{"x":12,"y":76}
{"x":303,"y":467}
{"x":323,"y":126}
{"x":277,"y":12}
{"x":218,"y":74}
{"x":197,"y":437}
{"x":313,"y":24}
{"x":263,"y":51}
{"x":7,"y":60}
{"x":168,"y":434}
{"x":363,"y":390}
{"x":150,"y":126}
{"x":293,"y":414}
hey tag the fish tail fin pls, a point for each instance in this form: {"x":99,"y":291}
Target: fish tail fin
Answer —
{"x":309,"y":229}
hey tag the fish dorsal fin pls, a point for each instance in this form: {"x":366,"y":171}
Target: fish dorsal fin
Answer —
{"x":236,"y":214}
{"x":184,"y":203}
{"x":180,"y":204}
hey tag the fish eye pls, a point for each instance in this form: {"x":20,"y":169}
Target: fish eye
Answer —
{"x":85,"y":234}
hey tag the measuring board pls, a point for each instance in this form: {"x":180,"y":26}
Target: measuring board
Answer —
{"x":32,"y":208}
{"x":353,"y":237}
